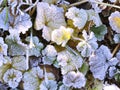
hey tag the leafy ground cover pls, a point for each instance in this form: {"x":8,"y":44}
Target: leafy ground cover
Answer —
{"x":59,"y":44}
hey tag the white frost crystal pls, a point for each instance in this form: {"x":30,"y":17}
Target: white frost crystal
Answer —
{"x":100,"y":61}
{"x":62,"y":35}
{"x":36,"y":48}
{"x":50,"y":85}
{"x":114,"y":20}
{"x":49,"y":54}
{"x":49,"y":17}
{"x":88,"y":45}
{"x":12,"y":77}
{"x":3,"y":47}
{"x":74,"y":79}
{"x":78,"y":16}
{"x":32,"y":79}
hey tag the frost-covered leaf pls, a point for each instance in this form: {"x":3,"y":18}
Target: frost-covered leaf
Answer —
{"x":32,"y":79}
{"x":100,"y":61}
{"x":117,"y":38}
{"x":62,"y":58}
{"x":50,"y":85}
{"x":95,"y":6}
{"x":12,"y":77}
{"x":55,"y":64}
{"x":49,"y":54}
{"x":36,"y":48}
{"x":7,"y":60}
{"x":6,"y":65}
{"x":114,"y":21}
{"x":20,"y":23}
{"x":78,"y":16}
{"x":96,"y":85}
{"x":118,"y":55}
{"x":113,"y":61}
{"x":99,"y":32}
{"x":1,"y":2}
{"x":113,"y":1}
{"x":112,"y":71}
{"x":3,"y":86}
{"x":3,"y":47}
{"x":46,"y":33}
{"x":1,"y":60}
{"x":68,"y":61}
{"x":74,"y":79}
{"x":15,"y":45}
{"x":84,"y":69}
{"x":111,"y":87}
{"x":67,"y":69}
{"x":40,"y":18}
{"x":117,"y":76}
{"x":92,"y":15}
{"x":88,"y":45}
{"x":63,"y":87}
{"x":61,"y":35}
{"x":4,"y":60}
{"x":49,"y":17}
{"x":52,"y":16}
{"x":50,"y":76}
{"x":3,"y":69}
{"x":3,"y":24}
{"x":19,"y":63}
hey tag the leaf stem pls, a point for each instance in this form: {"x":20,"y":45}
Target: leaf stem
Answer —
{"x":76,"y":38}
{"x":115,"y":50}
{"x":78,"y":3}
{"x":107,"y":4}
{"x":97,"y":2}
{"x":33,"y":5}
{"x":27,"y":58}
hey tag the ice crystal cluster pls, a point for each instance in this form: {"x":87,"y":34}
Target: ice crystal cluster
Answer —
{"x":59,"y":45}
